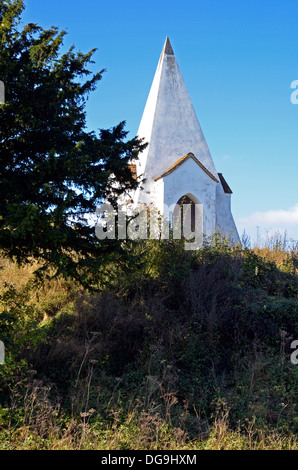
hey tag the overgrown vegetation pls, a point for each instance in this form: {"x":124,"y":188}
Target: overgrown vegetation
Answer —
{"x":178,"y":350}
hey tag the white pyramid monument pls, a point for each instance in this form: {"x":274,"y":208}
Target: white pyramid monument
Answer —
{"x":177,"y":162}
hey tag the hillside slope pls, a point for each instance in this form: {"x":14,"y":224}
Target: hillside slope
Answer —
{"x":176,"y":350}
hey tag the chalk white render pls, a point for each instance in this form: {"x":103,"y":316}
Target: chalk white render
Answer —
{"x":177,"y":162}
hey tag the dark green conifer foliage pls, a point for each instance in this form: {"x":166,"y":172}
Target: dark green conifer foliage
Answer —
{"x":52,"y":170}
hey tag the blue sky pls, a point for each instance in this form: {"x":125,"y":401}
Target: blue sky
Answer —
{"x":238,"y":60}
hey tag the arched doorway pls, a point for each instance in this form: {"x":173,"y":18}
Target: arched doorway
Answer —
{"x":187,"y":217}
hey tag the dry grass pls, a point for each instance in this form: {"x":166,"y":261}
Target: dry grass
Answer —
{"x":11,"y":273}
{"x":43,"y":430}
{"x":47,"y":297}
{"x":43,"y":425}
{"x":278,"y":249}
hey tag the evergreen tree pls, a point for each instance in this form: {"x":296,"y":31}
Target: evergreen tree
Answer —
{"x":52,"y":170}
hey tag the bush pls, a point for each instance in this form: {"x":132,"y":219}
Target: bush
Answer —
{"x":183,"y":334}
